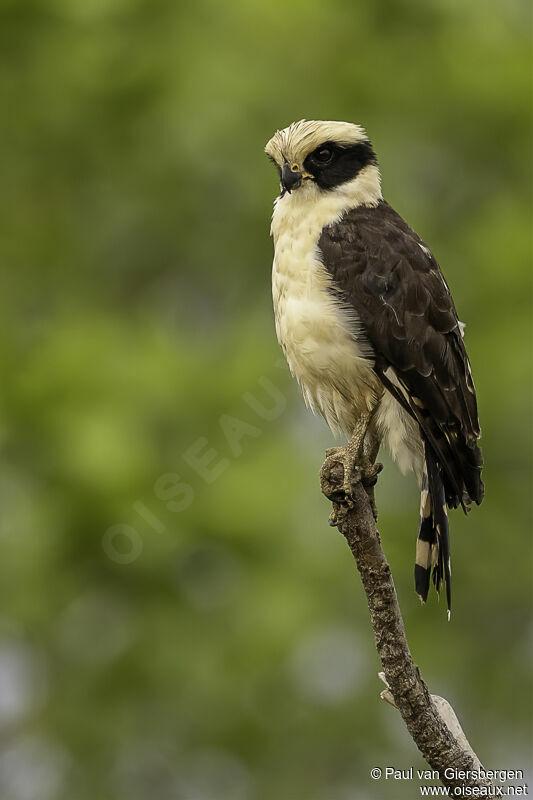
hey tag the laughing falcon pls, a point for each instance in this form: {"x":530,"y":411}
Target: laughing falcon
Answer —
{"x":368,"y":326}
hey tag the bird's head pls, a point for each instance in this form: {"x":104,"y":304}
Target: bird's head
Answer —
{"x":323,"y":155}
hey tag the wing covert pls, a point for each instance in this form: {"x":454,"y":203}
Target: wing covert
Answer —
{"x":392,"y":280}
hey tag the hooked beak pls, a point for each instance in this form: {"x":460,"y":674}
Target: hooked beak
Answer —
{"x":291,"y":177}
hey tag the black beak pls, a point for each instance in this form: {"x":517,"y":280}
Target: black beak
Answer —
{"x":289,"y":179}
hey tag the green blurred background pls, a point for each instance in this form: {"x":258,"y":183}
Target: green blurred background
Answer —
{"x":180,"y":631}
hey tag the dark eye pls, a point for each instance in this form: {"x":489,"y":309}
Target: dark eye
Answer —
{"x":323,"y":155}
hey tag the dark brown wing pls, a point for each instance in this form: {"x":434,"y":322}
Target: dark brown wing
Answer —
{"x":390,"y":277}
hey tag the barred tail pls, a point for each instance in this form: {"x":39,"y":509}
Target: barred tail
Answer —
{"x":433,"y":543}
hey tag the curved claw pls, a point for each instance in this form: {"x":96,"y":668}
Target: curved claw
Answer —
{"x":369,"y":475}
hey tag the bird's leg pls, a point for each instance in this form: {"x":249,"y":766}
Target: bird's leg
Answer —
{"x":357,"y":461}
{"x":371,"y":469}
{"x":358,"y":455}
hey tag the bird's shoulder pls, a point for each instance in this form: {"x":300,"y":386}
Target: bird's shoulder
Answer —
{"x":372,"y":234}
{"x":387,"y":271}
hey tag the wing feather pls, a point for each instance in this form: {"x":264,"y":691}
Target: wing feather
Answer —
{"x":392,"y":280}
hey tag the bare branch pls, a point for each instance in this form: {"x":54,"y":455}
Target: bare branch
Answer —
{"x":430,"y":720}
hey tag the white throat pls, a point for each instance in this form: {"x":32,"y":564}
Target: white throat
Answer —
{"x":325,"y":207}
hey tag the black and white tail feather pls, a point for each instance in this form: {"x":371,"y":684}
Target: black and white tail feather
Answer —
{"x":433,"y":543}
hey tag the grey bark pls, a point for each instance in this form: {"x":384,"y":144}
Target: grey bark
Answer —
{"x":429,"y":719}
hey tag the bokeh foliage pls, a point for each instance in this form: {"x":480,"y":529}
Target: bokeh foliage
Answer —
{"x":233,"y":659}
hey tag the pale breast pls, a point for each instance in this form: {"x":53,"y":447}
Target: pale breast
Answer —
{"x":319,"y":336}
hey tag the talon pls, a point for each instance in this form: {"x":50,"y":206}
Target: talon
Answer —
{"x":356,"y":460}
{"x":333,"y":451}
{"x":370,"y":474}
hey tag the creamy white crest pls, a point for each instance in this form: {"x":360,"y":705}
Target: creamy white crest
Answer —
{"x":294,"y":143}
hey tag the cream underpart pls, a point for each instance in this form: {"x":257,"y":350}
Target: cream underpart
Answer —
{"x":321,"y":338}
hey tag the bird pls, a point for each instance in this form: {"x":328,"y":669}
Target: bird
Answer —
{"x":369,"y":329}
